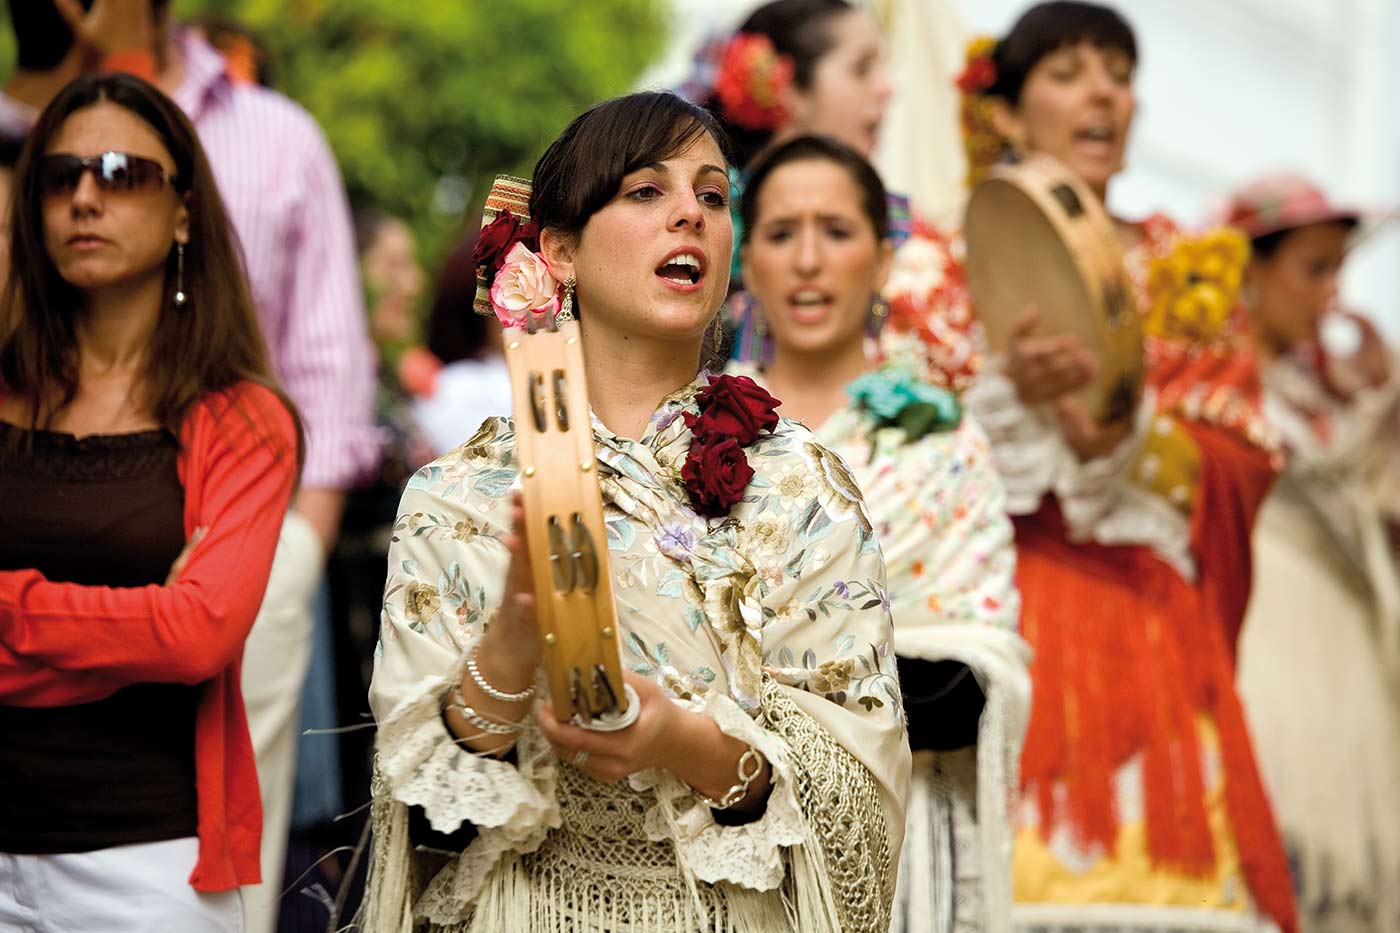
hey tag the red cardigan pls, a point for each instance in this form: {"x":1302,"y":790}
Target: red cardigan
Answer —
{"x":63,"y":644}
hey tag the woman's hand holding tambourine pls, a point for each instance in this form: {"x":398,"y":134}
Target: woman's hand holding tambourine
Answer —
{"x":1089,"y":439}
{"x":689,"y":745}
{"x":1045,"y":369}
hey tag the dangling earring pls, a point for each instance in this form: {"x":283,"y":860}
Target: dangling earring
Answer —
{"x":760,"y":323}
{"x":179,"y":276}
{"x":879,"y":311}
{"x":566,"y":313}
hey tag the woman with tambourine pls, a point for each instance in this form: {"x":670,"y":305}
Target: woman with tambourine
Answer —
{"x":755,"y":779}
{"x":1133,"y":476}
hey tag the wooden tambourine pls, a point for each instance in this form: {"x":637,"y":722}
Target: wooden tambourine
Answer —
{"x":564,"y":526}
{"x":1036,"y":235}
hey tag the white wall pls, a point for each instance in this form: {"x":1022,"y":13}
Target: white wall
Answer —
{"x":1227,"y":89}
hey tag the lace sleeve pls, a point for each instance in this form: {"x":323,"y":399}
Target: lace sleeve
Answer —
{"x":750,"y":855}
{"x":1102,"y":500}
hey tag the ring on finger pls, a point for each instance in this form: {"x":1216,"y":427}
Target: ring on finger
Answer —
{"x":580,"y":758}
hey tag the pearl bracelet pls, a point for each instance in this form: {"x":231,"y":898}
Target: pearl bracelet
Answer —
{"x":489,"y":690}
{"x":479,"y":721}
{"x":741,"y":790}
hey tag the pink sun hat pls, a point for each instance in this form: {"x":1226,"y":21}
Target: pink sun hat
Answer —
{"x":1283,"y":202}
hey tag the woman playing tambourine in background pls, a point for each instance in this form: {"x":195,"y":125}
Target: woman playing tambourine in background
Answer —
{"x":750,"y":591}
{"x":1143,"y":807}
{"x":815,"y":256}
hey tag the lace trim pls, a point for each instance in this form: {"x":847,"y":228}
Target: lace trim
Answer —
{"x":749,"y":855}
{"x":513,"y":806}
{"x":841,"y":803}
{"x":96,"y":458}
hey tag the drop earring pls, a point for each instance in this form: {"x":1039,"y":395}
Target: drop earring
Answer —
{"x":566,"y":313}
{"x":879,"y":311}
{"x":180,"y":276}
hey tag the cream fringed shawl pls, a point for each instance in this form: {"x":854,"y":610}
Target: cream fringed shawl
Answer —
{"x":774,"y":621}
{"x":939,"y":509}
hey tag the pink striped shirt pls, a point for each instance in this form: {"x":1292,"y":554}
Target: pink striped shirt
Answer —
{"x":287,"y":203}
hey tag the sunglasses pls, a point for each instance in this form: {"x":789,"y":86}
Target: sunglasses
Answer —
{"x":114,"y":172}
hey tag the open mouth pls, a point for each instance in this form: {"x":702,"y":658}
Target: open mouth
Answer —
{"x":1099,"y":133}
{"x":809,"y":304}
{"x":684,"y":268}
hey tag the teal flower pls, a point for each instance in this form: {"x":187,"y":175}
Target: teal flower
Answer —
{"x":881,"y":393}
{"x":898,"y":400}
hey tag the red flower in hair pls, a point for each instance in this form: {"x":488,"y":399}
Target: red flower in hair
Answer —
{"x":980,"y":72}
{"x":752,"y":76}
{"x":497,"y":239}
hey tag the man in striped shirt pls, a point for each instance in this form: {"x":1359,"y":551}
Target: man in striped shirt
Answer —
{"x":283,"y":191}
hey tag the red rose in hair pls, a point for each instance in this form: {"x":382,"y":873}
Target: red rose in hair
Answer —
{"x":496,"y":240}
{"x":751,"y":80}
{"x":979,"y":75}
{"x":733,"y":406}
{"x":715,"y":473}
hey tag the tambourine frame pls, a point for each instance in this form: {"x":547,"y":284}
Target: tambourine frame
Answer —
{"x":566,"y":534}
{"x":1010,"y":267}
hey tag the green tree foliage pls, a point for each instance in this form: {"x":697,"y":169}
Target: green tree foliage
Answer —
{"x":425,"y":101}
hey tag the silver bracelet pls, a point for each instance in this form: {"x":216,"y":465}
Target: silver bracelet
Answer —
{"x":741,"y":790}
{"x":489,"y":690}
{"x":480,"y":721}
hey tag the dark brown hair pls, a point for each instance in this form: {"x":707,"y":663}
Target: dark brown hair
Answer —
{"x":801,"y":30}
{"x":818,"y":149}
{"x":1267,"y":246}
{"x":209,"y":345}
{"x":1048,"y":27}
{"x":582,"y":170}
{"x":454,"y":331}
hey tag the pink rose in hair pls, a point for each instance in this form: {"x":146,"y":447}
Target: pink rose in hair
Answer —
{"x":522,"y":287}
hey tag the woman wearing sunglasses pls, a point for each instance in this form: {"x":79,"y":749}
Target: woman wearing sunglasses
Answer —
{"x":146,"y":461}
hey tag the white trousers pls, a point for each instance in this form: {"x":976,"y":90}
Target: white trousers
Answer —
{"x":275,"y":660}
{"x":141,"y":888}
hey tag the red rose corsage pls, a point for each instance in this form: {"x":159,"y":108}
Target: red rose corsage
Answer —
{"x":751,"y":80}
{"x":734,"y":412}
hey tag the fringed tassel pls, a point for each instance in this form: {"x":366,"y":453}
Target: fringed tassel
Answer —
{"x":388,"y":901}
{"x":807,"y":893}
{"x":1178,"y":827}
{"x":521,"y":897}
{"x":1092,"y":711}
